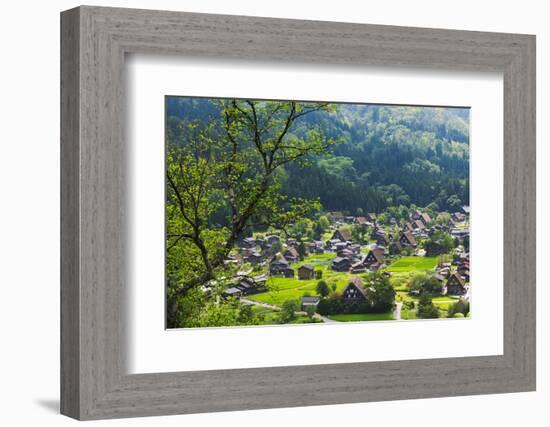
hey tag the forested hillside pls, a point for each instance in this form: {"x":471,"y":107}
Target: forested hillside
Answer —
{"x":386,"y":155}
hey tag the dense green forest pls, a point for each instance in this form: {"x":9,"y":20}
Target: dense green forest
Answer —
{"x":385,"y":155}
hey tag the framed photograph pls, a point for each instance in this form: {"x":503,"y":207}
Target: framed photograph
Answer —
{"x":261,"y":213}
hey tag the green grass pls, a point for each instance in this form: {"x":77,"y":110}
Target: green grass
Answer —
{"x":283,"y":288}
{"x":361,"y":317}
{"x":407,"y":314}
{"x":412,"y":263}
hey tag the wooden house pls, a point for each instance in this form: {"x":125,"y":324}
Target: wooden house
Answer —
{"x":408,"y":227}
{"x":407,"y":239}
{"x":232,"y":292}
{"x":254,"y":258}
{"x":342,"y":234}
{"x":359,"y":266}
{"x":371,"y":217}
{"x":248,"y":242}
{"x":305,"y":272}
{"x":418,"y":225}
{"x":346,"y":253}
{"x":425,"y":218}
{"x":277,"y":265}
{"x":361,"y":220}
{"x":415,"y":215}
{"x":355,"y":290}
{"x":458,"y":216}
{"x":375,"y":256}
{"x":455,"y":285}
{"x":341,"y":264}
{"x":355,"y":248}
{"x":316,"y":247}
{"x":291,"y":254}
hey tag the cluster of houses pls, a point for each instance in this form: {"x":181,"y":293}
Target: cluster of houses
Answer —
{"x":457,"y":281}
{"x":247,"y":285}
{"x":349,"y":255}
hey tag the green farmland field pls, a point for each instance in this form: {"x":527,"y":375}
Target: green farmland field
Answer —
{"x":412,"y":263}
{"x":283,"y":288}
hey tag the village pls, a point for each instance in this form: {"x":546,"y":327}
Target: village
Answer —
{"x":426,"y":261}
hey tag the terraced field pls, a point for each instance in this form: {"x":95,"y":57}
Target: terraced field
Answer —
{"x":411,"y":264}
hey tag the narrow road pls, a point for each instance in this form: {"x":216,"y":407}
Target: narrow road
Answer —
{"x":261,"y":304}
{"x":324,"y":318}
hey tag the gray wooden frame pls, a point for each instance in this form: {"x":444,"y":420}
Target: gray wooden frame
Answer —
{"x":94,"y":41}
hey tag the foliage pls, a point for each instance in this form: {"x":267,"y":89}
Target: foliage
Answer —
{"x":288,"y":311}
{"x":412,"y":263}
{"x":424,"y":283}
{"x":223,"y":179}
{"x":390,"y":156}
{"x":439,"y":243}
{"x":426,"y":308}
{"x":460,"y":307}
{"x":310,"y":311}
{"x":322,"y":288}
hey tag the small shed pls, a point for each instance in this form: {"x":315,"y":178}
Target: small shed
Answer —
{"x":306,"y":272}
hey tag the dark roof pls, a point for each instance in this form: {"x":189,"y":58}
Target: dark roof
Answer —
{"x":338,"y":260}
{"x":345,"y":233}
{"x":279,"y":259}
{"x":357,"y":282}
{"x":292,"y":252}
{"x":378,"y":254}
{"x":408,"y":235}
{"x":457,"y":277}
{"x":306,"y":267}
{"x":254,"y":254}
{"x":361,"y":220}
{"x":259,"y":278}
